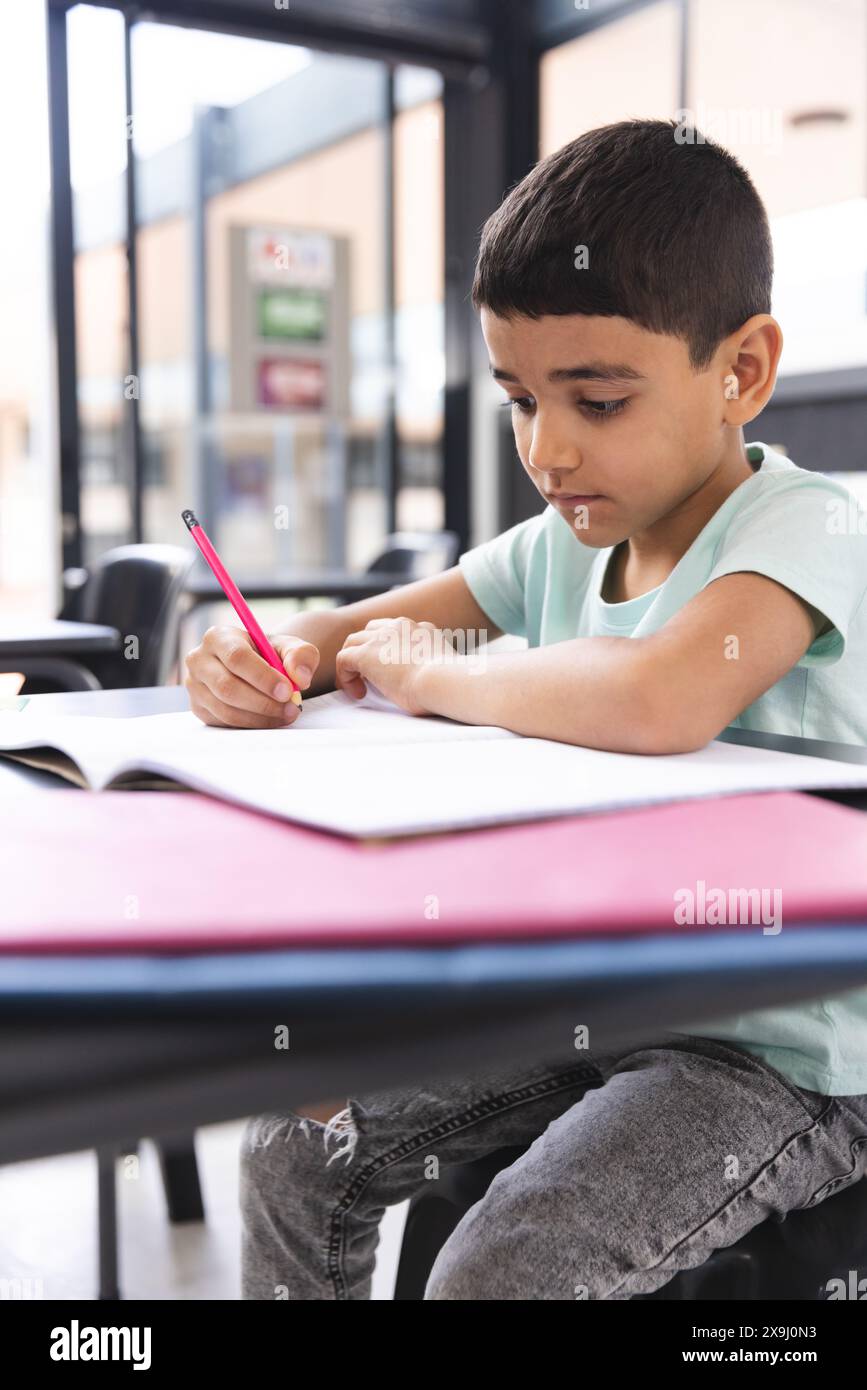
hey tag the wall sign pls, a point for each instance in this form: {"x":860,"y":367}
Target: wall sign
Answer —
{"x":289,"y":321}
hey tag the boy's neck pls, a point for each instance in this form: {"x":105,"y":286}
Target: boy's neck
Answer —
{"x":646,"y":559}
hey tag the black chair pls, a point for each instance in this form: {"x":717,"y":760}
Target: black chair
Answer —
{"x":128,"y":606}
{"x":410,"y":555}
{"x":139,"y":591}
{"x":791,"y":1259}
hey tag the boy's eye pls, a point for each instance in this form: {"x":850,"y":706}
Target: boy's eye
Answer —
{"x":603,"y":410}
{"x":595,"y":410}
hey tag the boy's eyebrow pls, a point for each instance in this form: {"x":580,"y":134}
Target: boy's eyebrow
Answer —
{"x":591,"y":371}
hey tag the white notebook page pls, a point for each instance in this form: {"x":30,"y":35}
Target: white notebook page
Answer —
{"x":367,"y":769}
{"x":103,"y":746}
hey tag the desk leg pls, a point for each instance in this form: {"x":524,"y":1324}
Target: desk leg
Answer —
{"x":177,"y":1157}
{"x":107,"y":1220}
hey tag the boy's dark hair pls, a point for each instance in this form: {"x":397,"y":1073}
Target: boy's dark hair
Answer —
{"x":677,"y":237}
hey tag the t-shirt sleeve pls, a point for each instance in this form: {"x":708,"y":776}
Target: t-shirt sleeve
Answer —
{"x":810,"y":536}
{"x":496,"y":575}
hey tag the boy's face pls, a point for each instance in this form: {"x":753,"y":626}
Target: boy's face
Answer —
{"x":625,"y":450}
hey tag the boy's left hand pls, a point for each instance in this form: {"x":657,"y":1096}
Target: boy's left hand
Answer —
{"x":390,"y":653}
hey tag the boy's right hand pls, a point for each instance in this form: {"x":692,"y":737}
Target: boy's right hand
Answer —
{"x":231,"y":686}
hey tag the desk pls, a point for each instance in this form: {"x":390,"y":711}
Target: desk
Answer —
{"x":97,"y":1049}
{"x":201,"y":587}
{"x":55,"y":638}
{"x":54,"y":650}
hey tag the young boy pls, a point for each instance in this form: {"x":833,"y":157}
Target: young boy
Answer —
{"x":624,"y":287}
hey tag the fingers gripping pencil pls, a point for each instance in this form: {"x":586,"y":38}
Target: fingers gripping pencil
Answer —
{"x":235,"y":597}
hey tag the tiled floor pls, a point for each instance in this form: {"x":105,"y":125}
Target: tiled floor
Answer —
{"x":48,"y":1228}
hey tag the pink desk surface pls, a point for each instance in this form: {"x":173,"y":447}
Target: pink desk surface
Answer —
{"x":126,"y":871}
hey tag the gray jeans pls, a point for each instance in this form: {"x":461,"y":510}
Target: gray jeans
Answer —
{"x":644,"y":1160}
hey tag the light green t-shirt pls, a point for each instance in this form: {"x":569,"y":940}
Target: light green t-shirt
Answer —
{"x":537,"y":580}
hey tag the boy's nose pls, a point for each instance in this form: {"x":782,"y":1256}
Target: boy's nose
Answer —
{"x":556,"y":475}
{"x":553,"y":456}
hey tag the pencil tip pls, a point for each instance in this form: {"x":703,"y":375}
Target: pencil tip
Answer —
{"x":296,"y":698}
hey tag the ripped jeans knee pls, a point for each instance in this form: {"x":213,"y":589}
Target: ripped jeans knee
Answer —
{"x":338,"y":1136}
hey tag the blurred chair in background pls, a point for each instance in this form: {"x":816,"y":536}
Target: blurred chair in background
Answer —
{"x":118,"y":627}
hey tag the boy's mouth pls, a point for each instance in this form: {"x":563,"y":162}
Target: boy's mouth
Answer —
{"x":573,"y":499}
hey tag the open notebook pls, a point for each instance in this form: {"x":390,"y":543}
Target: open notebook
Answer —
{"x":366,"y":768}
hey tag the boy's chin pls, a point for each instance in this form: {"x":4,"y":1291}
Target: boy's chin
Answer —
{"x":597,"y":542}
{"x":597,"y":537}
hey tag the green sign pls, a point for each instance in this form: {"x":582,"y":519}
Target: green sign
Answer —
{"x":292,"y":315}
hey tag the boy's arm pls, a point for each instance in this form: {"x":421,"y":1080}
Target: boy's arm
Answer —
{"x":444,"y":600}
{"x":671,"y":692}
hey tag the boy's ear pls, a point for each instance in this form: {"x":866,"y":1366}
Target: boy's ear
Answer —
{"x":749,"y":368}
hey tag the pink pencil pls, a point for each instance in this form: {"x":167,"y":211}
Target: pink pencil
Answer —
{"x":236,"y":598}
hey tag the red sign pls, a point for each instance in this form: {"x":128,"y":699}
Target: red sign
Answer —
{"x":291,"y":382}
